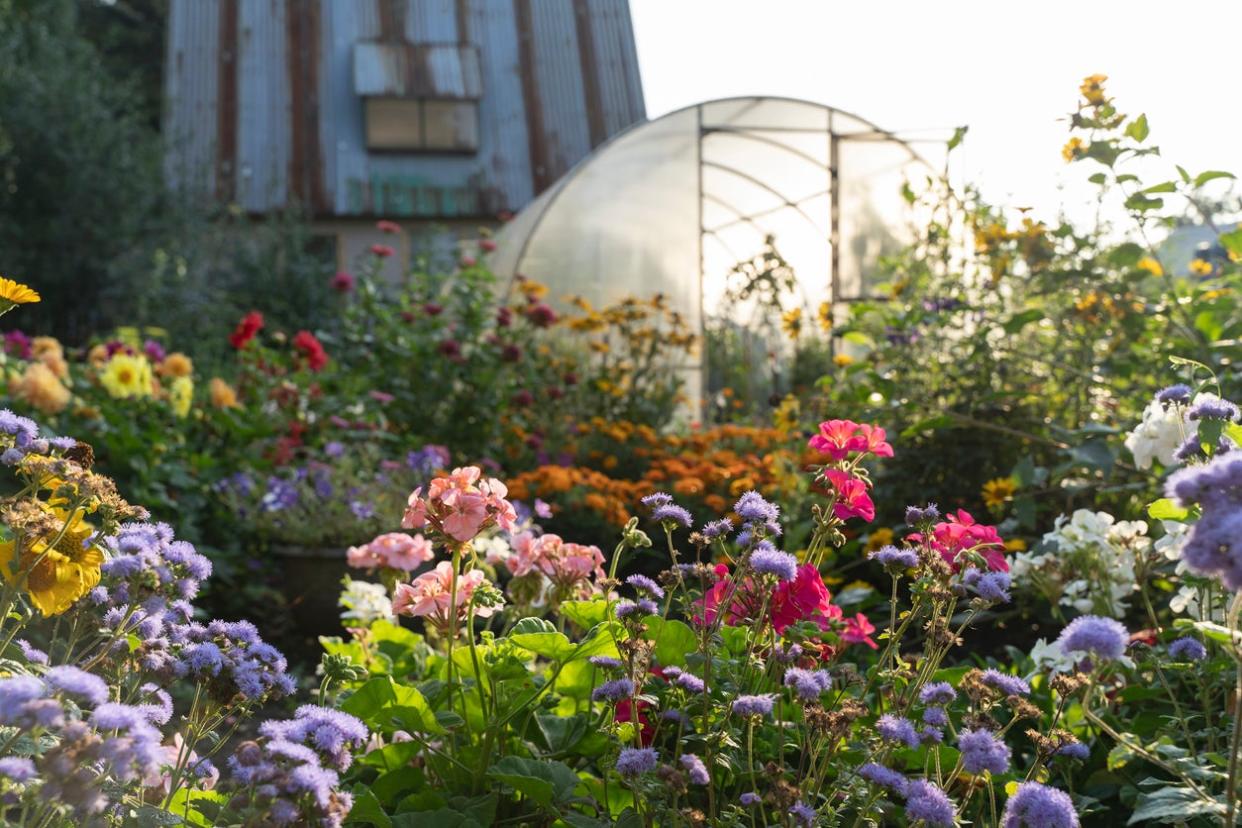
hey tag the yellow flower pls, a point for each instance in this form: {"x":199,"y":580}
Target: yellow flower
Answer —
{"x":787,"y":415}
{"x":181,"y":395}
{"x":1073,"y":149}
{"x":42,"y":346}
{"x":176,"y":364}
{"x":998,"y":492}
{"x":1015,"y":545}
{"x":1200,"y":267}
{"x":55,"y":577}
{"x":791,"y":323}
{"x":40,"y":387}
{"x":842,"y":360}
{"x":1093,"y":89}
{"x":222,"y":394}
{"x":14,"y":293}
{"x":879,"y":538}
{"x":1152,"y":266}
{"x":97,"y":356}
{"x":126,"y":376}
{"x":825,"y":316}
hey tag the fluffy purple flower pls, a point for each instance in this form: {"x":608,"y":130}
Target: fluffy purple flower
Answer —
{"x":760,"y":705}
{"x":1038,"y":806}
{"x":636,"y":761}
{"x":17,"y":768}
{"x":768,"y":560}
{"x":1187,"y":649}
{"x":1174,"y":394}
{"x":695,"y":769}
{"x":937,"y":692}
{"x":691,"y":682}
{"x":614,"y":690}
{"x":1074,"y":750}
{"x":624,"y":608}
{"x":931,"y":735}
{"x":656,"y":499}
{"x":33,"y":655}
{"x":607,"y":662}
{"x":749,"y":798}
{"x":1007,"y":684}
{"x":890,"y":557}
{"x":1210,"y":409}
{"x":927,"y":802}
{"x":671,"y":514}
{"x":897,"y":729}
{"x":883,"y":777}
{"x":1217,"y":484}
{"x":78,"y":683}
{"x":15,"y":694}
{"x":808,"y":684}
{"x":717,"y":529}
{"x":802,"y":814}
{"x":936,"y":716}
{"x":993,"y":586}
{"x":1215,"y":544}
{"x":982,"y":751}
{"x":752,"y":508}
{"x":642,"y":582}
{"x":922,"y":514}
{"x":1101,"y":637}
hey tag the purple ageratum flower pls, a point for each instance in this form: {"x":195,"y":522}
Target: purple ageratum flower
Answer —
{"x":993,"y":586}
{"x":17,"y":769}
{"x":695,"y":768}
{"x":802,"y":814}
{"x":648,"y":607}
{"x":982,"y":751}
{"x":646,"y":584}
{"x":331,"y":734}
{"x":883,"y":777}
{"x":930,"y":735}
{"x":1180,"y":394}
{"x":922,"y":514}
{"x":766,"y":559}
{"x":1038,"y":806}
{"x":656,"y":499}
{"x":15,"y":694}
{"x":607,"y":662}
{"x":32,"y":654}
{"x":670,"y":514}
{"x":1007,"y":684}
{"x":676,"y":716}
{"x":1101,"y":637}
{"x":927,"y":802}
{"x":78,"y":683}
{"x":334,"y":449}
{"x":23,"y":430}
{"x":897,"y":729}
{"x":1210,"y":409}
{"x":749,"y":798}
{"x":717,"y":529}
{"x":615,"y":690}
{"x":281,"y":494}
{"x":636,"y":761}
{"x":936,"y":716}
{"x":1187,"y":649}
{"x":624,"y":608}
{"x":760,"y":705}
{"x":937,"y":692}
{"x":1074,"y":750}
{"x":752,"y":508}
{"x":808,"y":685}
{"x":890,"y":557}
{"x":1217,"y":484}
{"x":691,"y":682}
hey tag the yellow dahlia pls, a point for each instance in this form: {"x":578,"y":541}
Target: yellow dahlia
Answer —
{"x":126,"y":376}
{"x":40,"y":387}
{"x":176,"y":364}
{"x":222,"y":394}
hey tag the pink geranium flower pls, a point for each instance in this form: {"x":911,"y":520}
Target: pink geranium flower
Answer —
{"x":959,"y":533}
{"x":398,"y":550}
{"x":870,"y":439}
{"x":858,"y":630}
{"x":430,"y":595}
{"x":461,"y":505}
{"x":834,"y":438}
{"x":805,"y":598}
{"x":852,"y":497}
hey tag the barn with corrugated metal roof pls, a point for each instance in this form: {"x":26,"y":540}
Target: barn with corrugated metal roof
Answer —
{"x":439,"y":112}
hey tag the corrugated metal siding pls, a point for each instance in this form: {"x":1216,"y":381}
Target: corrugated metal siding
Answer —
{"x":290,"y":124}
{"x":407,"y":70}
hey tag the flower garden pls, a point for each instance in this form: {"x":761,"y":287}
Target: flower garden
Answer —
{"x":459,"y":558}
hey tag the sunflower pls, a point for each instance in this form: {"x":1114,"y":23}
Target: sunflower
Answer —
{"x":14,"y":293}
{"x":998,"y":492}
{"x":1073,"y":149}
{"x":791,"y":323}
{"x":55,"y":577}
{"x":1092,"y":89}
{"x":127,"y":376}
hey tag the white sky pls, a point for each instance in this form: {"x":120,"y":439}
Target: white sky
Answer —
{"x":1008,"y":70}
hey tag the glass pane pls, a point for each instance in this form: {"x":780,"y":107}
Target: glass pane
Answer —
{"x":451,"y":125}
{"x":393,"y":124}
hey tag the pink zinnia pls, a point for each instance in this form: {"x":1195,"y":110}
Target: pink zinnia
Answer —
{"x":852,"y":497}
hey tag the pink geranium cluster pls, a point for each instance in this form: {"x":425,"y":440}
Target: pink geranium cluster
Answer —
{"x":430,"y":595}
{"x":393,"y":550}
{"x":960,"y":533}
{"x":566,"y":565}
{"x":461,"y":505}
{"x":845,"y":443}
{"x":805,"y":598}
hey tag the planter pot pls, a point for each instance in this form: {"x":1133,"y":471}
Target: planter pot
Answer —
{"x":311,"y":581}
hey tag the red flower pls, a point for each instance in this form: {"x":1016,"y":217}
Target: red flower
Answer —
{"x":382,"y":250}
{"x":432,"y":309}
{"x":487,"y":245}
{"x":872,"y":440}
{"x":503,"y":317}
{"x":623,"y":714}
{"x":343,"y":282}
{"x":834,"y":438}
{"x":852,"y":497}
{"x":959,"y":533}
{"x":858,"y":630}
{"x":541,"y":315}
{"x":387,"y":226}
{"x":510,"y":353}
{"x":246,"y":329}
{"x":308,"y":346}
{"x":523,"y":398}
{"x":805,"y":598}
{"x":469,"y":261}
{"x":450,"y":348}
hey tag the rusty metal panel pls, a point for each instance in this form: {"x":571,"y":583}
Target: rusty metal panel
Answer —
{"x":417,"y":70}
{"x":557,"y":71}
{"x":431,"y":21}
{"x":616,"y":64}
{"x":190,"y":88}
{"x":504,"y":149}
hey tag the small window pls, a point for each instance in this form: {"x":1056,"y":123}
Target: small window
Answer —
{"x":422,"y":125}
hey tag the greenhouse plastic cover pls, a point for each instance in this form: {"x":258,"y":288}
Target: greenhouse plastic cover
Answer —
{"x":671,"y":205}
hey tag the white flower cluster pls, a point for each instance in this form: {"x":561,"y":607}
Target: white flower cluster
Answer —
{"x":1087,"y":562}
{"x":364,"y":602}
{"x":1159,"y":435}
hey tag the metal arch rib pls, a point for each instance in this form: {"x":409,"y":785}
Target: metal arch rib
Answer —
{"x":750,"y":178}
